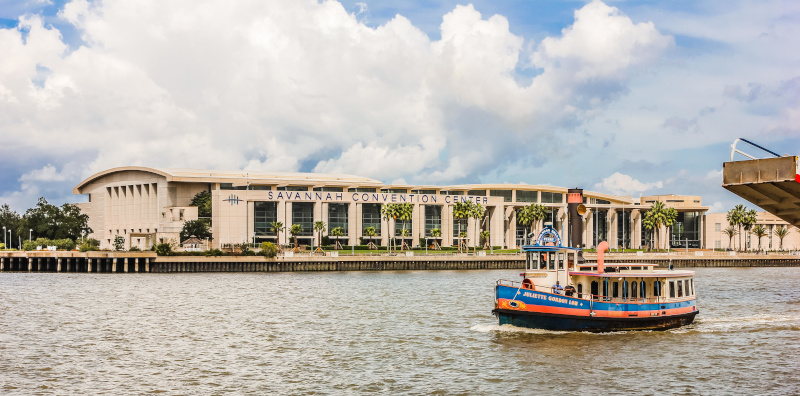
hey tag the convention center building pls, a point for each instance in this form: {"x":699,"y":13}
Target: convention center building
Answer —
{"x":150,"y":205}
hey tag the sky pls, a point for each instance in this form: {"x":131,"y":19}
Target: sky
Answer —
{"x":629,"y":98}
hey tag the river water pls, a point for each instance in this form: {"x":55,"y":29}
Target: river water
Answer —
{"x":415,"y":332}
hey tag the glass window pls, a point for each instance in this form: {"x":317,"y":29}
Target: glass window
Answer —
{"x":686,"y":230}
{"x":331,"y":189}
{"x":594,"y":289}
{"x":625,"y":289}
{"x":615,"y":290}
{"x":371,"y":217}
{"x":634,"y":290}
{"x":303,"y":214}
{"x":256,"y":187}
{"x":423,"y":191}
{"x":264,"y":214}
{"x":394,"y":190}
{"x":506,"y":194}
{"x":644,"y":289}
{"x":600,"y":226}
{"x":459,"y":226}
{"x":717,"y":227}
{"x":580,"y":290}
{"x":293,"y":188}
{"x":337,"y":217}
{"x":452,"y":193}
{"x":680,"y":288}
{"x":624,"y":229}
{"x":433,"y":218}
{"x":672,"y":289}
{"x":602,"y":202}
{"x":477,"y":193}
{"x":691,"y":284}
{"x":551,"y":197}
{"x":527,"y":196}
{"x":361,"y":189}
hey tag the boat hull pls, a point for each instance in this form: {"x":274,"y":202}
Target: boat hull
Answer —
{"x":546,"y":321}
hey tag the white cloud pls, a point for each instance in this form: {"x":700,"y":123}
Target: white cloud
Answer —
{"x":621,"y":184}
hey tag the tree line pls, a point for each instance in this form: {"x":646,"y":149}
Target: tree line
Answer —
{"x":64,"y":226}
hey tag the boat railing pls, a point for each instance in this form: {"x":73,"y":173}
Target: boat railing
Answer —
{"x":587,"y":296}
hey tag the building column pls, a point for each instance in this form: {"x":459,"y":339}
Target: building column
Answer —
{"x":126,"y":264}
{"x":353,"y":223}
{"x":89,"y":265}
{"x":471,"y":231}
{"x":2,"y":263}
{"x":447,"y":225}
{"x":511,"y":233}
{"x":497,"y":226}
{"x":417,"y":224}
{"x":613,"y":222}
{"x":287,"y":221}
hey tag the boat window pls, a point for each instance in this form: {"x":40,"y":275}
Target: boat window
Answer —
{"x":542,"y":260}
{"x":636,"y":268}
{"x":561,"y":261}
{"x":580,"y":290}
{"x":634,"y":291}
{"x":615,"y":290}
{"x":686,"y":287}
{"x":625,"y":289}
{"x":551,"y":261}
{"x":680,"y":288}
{"x":605,"y":287}
{"x":644,"y":289}
{"x":691,"y":284}
{"x":672,"y":288}
{"x":657,"y":288}
{"x":595,"y":289}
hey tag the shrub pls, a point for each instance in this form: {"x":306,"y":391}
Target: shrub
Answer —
{"x":269,"y":250}
{"x":2,"y":246}
{"x":89,"y":245}
{"x":134,"y":249}
{"x":163,"y":249}
{"x":246,"y":251}
{"x":214,"y":252}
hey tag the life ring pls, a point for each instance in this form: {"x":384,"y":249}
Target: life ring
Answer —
{"x":527,"y":284}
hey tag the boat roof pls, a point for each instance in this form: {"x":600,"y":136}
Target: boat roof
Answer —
{"x":620,"y":265}
{"x":654,"y":274}
{"x":542,"y":248}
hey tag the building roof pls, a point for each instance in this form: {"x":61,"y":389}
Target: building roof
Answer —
{"x":240,"y":177}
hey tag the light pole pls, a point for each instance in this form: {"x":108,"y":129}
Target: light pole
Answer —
{"x":30,"y":234}
{"x":5,"y":241}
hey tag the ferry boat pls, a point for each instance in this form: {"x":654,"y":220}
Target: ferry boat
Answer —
{"x":559,"y":293}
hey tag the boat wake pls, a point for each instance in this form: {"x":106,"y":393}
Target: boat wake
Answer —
{"x":510,"y":329}
{"x":743,"y":323}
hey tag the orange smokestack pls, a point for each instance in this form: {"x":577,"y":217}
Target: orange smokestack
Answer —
{"x":601,"y":247}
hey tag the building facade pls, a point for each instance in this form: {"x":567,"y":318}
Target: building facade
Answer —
{"x":717,"y":238}
{"x":150,"y":205}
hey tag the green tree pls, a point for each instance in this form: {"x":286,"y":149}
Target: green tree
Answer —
{"x":485,"y":237}
{"x":759,"y":231}
{"x":319,"y":227}
{"x":337,"y":232}
{"x":371,"y":233}
{"x":119,"y":243}
{"x":477,"y":212}
{"x":659,"y":216}
{"x":735,"y":218}
{"x":203,"y":202}
{"x":530,"y":214}
{"x":12,"y":221}
{"x":749,"y":220}
{"x":388,"y":212}
{"x":88,"y":244}
{"x":781,"y":232}
{"x":269,"y":250}
{"x":731,"y":232}
{"x":277,"y":227}
{"x":402,"y":212}
{"x":461,"y":211}
{"x":197,"y":228}
{"x":51,"y":222}
{"x":295,"y":230}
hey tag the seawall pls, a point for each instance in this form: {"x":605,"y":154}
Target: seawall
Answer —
{"x":148,"y":262}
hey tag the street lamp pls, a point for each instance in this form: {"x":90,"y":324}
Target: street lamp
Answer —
{"x":30,"y":235}
{"x":5,"y":241}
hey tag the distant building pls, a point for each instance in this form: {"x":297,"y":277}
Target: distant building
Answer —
{"x":149,"y":205}
{"x":716,"y":223}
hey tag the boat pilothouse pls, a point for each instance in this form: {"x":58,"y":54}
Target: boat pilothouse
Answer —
{"x":559,"y":292}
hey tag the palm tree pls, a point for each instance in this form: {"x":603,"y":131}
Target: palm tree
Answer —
{"x":749,"y":220}
{"x":463,"y":241}
{"x":530,"y":214}
{"x":476,"y":212}
{"x":781,"y":232}
{"x":337,"y":232}
{"x":735,"y":217}
{"x":319,"y":227}
{"x":657,"y":216}
{"x":404,"y":212}
{"x":388,"y":212}
{"x":277,"y":227}
{"x":460,"y":212}
{"x":295,"y":230}
{"x":759,"y":231}
{"x":371,"y":232}
{"x":731,"y":232}
{"x":485,"y":236}
{"x":436,"y":233}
